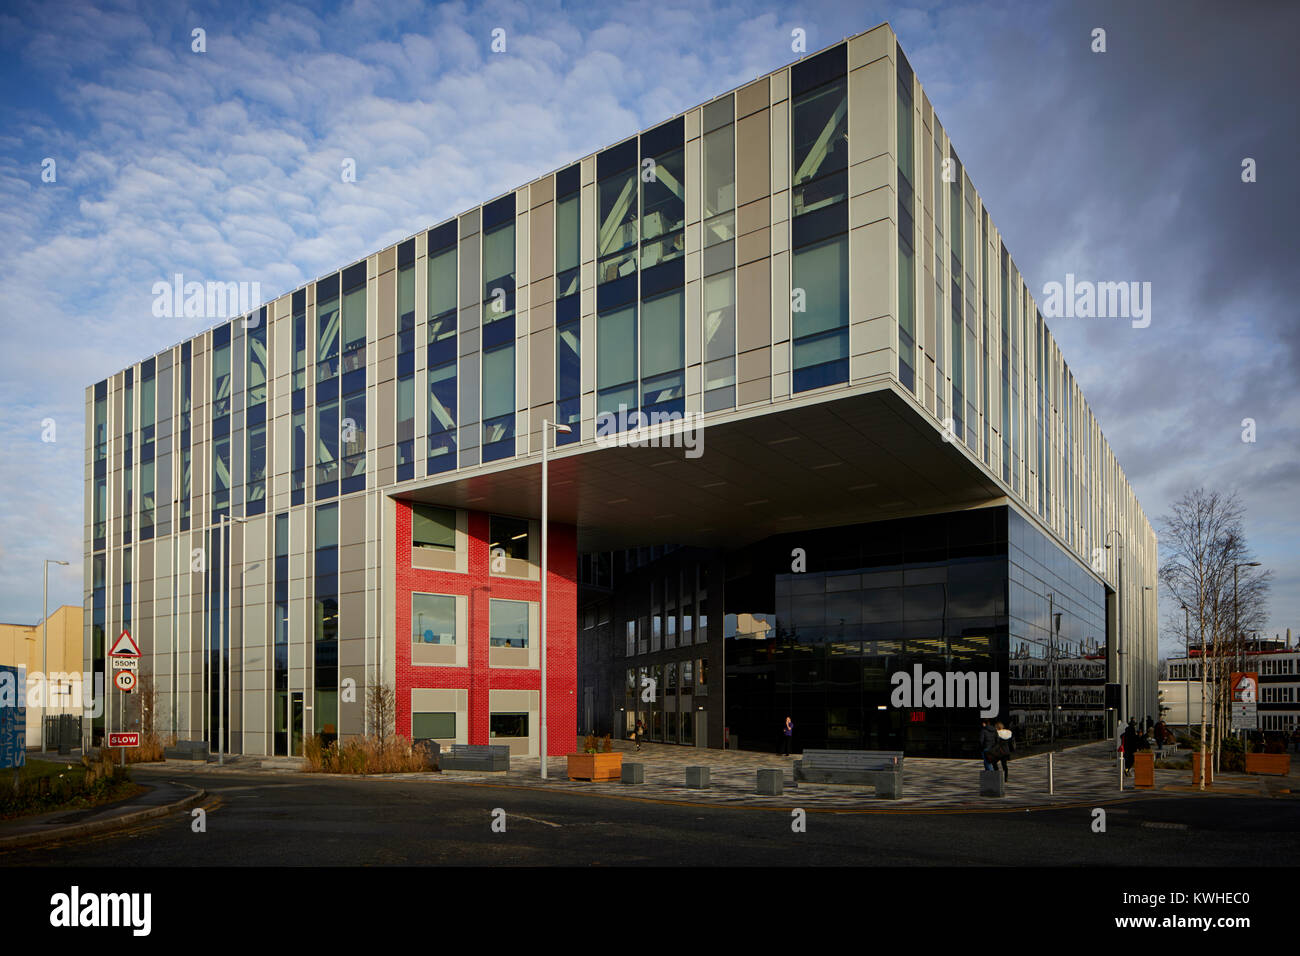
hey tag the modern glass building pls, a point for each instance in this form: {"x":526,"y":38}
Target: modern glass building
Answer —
{"x":800,"y":276}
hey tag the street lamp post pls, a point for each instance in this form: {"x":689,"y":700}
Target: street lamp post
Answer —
{"x":1145,"y":589}
{"x":45,"y":644}
{"x":546,"y":441}
{"x":223,"y":582}
{"x":1236,"y":613}
{"x":1119,"y":632}
{"x":1187,"y":669}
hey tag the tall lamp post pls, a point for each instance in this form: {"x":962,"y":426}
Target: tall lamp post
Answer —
{"x":1145,"y":589}
{"x":223,"y":582}
{"x":1187,"y":668}
{"x":45,"y":644}
{"x":1119,"y":632}
{"x":1236,"y":614}
{"x":547,"y":426}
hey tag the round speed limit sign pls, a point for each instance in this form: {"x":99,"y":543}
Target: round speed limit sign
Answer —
{"x":125,"y":681}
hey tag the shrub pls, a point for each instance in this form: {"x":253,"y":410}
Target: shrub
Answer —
{"x":361,"y":755}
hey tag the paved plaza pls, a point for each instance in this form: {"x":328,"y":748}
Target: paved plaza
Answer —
{"x":1085,"y":774}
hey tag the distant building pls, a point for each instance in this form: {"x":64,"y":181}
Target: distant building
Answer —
{"x":1278,"y":667}
{"x":20,"y":646}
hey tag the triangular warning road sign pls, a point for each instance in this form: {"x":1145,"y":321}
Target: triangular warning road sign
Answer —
{"x":124,"y":646}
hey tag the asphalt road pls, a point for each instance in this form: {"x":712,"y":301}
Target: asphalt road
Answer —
{"x":256,"y":820}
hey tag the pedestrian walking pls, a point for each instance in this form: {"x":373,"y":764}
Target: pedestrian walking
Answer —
{"x":1131,"y":737}
{"x":1002,"y":747}
{"x":787,"y":736}
{"x":636,"y":734}
{"x":988,"y":737}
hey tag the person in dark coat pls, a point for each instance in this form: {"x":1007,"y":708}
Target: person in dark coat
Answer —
{"x":787,"y":734}
{"x":988,"y":737}
{"x":1130,"y":745}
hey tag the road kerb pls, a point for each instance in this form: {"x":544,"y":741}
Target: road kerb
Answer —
{"x":101,"y":826}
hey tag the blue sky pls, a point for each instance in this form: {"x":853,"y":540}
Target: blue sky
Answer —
{"x":225,"y":164}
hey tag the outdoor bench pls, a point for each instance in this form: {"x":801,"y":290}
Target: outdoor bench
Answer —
{"x":489,"y":757}
{"x":882,"y":769}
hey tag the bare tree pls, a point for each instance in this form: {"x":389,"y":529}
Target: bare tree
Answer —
{"x":1203,"y":541}
{"x":381,"y":712}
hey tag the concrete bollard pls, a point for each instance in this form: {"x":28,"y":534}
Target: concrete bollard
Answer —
{"x":771,"y":783}
{"x":697,"y":778}
{"x":991,"y":783}
{"x":633,"y":773}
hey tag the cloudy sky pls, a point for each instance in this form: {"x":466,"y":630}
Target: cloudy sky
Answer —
{"x":1115,"y":166}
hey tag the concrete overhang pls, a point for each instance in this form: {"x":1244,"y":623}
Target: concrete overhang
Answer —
{"x":864,"y":456}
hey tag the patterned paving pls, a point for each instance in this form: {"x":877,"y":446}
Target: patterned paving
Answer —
{"x":1082,"y":775}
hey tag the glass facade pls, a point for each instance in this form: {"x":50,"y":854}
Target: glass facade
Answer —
{"x":966,"y":593}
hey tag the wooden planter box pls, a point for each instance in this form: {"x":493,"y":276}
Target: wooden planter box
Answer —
{"x":1209,"y":769}
{"x":596,"y":766}
{"x":1279,"y":764}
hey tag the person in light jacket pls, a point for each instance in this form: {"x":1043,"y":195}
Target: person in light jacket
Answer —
{"x":1003,"y":738}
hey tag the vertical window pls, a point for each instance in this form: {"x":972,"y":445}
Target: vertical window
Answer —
{"x":957,"y":338}
{"x":328,"y":333}
{"x":148,"y":413}
{"x":255,"y":416}
{"x":406,"y":360}
{"x":616,"y":196}
{"x":280,"y":661}
{"x":352,"y":424}
{"x":819,"y":228}
{"x":719,"y":173}
{"x":499,"y":402}
{"x":663,"y":277}
{"x":128,"y":466}
{"x":187,"y":385}
{"x":568,"y":231}
{"x":616,"y":279}
{"x":906,"y":229}
{"x":663,"y":194}
{"x":568,"y":369}
{"x":616,"y":360}
{"x":662,"y":357}
{"x":568,"y":327}
{"x":441,"y":348}
{"x":298,"y":463}
{"x":327,"y":328}
{"x":1004,"y":311}
{"x":821,"y":345}
{"x":326,"y":629}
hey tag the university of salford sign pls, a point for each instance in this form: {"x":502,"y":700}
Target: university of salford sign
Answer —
{"x":922,"y":688}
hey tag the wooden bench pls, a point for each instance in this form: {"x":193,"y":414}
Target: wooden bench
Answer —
{"x":882,"y":769}
{"x":489,"y":757}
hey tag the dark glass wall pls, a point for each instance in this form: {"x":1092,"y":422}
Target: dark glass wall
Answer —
{"x":818,"y":625}
{"x":819,"y":621}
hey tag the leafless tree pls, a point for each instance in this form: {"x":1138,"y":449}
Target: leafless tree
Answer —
{"x":381,"y":712}
{"x":1203,"y":540}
